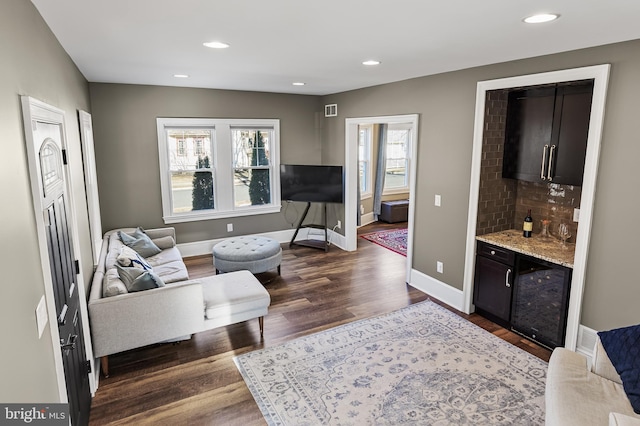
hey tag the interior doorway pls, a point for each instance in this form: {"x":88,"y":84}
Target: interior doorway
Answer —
{"x":352,"y":170}
{"x":600,"y":75}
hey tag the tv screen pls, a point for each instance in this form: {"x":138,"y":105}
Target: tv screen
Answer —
{"x":317,"y":184}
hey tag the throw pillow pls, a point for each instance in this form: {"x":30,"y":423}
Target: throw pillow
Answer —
{"x":165,"y":242}
{"x":137,"y":279}
{"x":130,"y":258}
{"x":140,"y":242}
{"x":623,"y":349}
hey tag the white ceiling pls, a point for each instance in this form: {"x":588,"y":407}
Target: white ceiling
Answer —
{"x":323,"y":43}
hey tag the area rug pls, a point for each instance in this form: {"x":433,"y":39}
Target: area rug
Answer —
{"x":421,"y":365}
{"x":394,"y":239}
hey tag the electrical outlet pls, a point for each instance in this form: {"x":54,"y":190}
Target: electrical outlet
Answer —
{"x":576,"y":215}
{"x":438,"y":200}
{"x":361,"y":209}
{"x":439,"y":267}
{"x":229,"y":227}
{"x":339,"y":225}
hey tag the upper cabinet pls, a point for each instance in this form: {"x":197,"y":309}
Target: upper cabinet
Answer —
{"x":546,"y":133}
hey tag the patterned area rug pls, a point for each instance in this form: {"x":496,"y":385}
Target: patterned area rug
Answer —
{"x":421,"y":365}
{"x":394,"y":240}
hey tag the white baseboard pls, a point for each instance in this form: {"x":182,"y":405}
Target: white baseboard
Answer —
{"x":441,"y":291}
{"x":199,"y":248}
{"x":367,"y":218}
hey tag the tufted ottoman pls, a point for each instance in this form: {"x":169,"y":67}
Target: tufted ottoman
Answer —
{"x":249,"y":252}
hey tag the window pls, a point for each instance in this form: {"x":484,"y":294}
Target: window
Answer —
{"x":214,"y":168}
{"x":397,"y":170}
{"x":364,"y":160}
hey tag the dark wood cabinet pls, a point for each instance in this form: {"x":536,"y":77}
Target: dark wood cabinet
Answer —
{"x":546,"y":133}
{"x":493,"y":282}
{"x":527,"y":295}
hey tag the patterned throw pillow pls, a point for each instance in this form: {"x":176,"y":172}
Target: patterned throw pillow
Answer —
{"x":128,"y":257}
{"x":623,"y":349}
{"x":138,"y":279}
{"x":140,"y":242}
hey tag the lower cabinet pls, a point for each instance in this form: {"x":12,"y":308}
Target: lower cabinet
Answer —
{"x":527,"y":295}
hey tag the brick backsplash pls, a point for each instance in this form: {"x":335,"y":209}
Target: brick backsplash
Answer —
{"x":503,"y":203}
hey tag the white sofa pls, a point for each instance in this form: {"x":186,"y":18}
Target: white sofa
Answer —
{"x":577,"y":395}
{"x":182,"y":307}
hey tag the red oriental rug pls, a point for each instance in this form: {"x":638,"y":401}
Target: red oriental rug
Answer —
{"x":394,"y":240}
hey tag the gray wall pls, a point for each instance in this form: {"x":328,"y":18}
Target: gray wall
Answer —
{"x":34,"y":64}
{"x":126,"y":143}
{"x":446,"y":104}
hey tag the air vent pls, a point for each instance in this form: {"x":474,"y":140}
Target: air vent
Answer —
{"x":331,"y":110}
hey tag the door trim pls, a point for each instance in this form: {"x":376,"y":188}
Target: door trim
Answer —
{"x":600,"y":74}
{"x":34,"y":109}
{"x":351,"y":177}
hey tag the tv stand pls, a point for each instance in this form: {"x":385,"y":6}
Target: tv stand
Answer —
{"x":319,"y":244}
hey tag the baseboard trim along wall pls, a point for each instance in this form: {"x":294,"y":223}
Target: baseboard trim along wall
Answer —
{"x":433,"y":287}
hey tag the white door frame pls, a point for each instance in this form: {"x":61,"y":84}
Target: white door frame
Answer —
{"x":351,"y":177}
{"x":33,"y":109}
{"x":91,"y":183}
{"x":600,"y":74}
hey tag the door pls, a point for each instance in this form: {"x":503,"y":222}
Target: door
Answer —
{"x":492,"y":289}
{"x":45,"y":137}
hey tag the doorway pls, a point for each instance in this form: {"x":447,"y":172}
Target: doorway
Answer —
{"x":600,"y":75}
{"x":352,"y":169}
{"x":60,"y":260}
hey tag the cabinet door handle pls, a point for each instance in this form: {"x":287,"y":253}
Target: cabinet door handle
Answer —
{"x":553,"y":149}
{"x":506,"y":278}
{"x":544,"y":161}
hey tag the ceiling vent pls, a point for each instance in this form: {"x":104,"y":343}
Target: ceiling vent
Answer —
{"x":331,"y":110}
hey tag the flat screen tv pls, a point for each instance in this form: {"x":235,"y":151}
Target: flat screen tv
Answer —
{"x":316,"y":184}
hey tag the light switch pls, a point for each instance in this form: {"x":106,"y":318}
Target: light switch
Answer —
{"x":41,"y":316}
{"x":438,"y":200}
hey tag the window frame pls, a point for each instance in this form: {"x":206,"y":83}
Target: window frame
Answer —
{"x":368,"y":148}
{"x":221,"y":166}
{"x":407,"y":157}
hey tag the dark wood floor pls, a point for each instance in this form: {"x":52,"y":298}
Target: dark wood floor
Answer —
{"x":196,"y":382}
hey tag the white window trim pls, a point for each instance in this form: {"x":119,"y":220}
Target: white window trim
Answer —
{"x":402,"y":189}
{"x":222,"y":163}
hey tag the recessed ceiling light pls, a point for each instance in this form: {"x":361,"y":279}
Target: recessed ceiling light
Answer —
{"x":298,"y":83}
{"x":371,"y":62}
{"x":543,"y":17}
{"x":181,"y":76}
{"x":216,"y":45}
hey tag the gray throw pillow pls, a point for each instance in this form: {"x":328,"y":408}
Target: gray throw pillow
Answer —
{"x":140,"y":242}
{"x":137,"y":279}
{"x":165,"y":242}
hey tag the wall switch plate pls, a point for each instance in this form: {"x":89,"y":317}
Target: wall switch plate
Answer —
{"x":439,"y":267}
{"x":41,"y":316}
{"x":438,"y":200}
{"x":339,"y":226}
{"x":576,"y":215}
{"x":361,"y":209}
{"x":229,"y":227}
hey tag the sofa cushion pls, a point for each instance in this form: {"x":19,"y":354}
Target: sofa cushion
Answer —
{"x":172,"y":272}
{"x":128,"y":257}
{"x":623,"y":348}
{"x":138,"y":279}
{"x":112,"y":285}
{"x":576,"y":397}
{"x":140,"y":242}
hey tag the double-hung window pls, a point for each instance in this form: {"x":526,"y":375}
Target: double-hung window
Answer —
{"x":216,"y":168}
{"x":365,"y":136}
{"x":397,"y":168}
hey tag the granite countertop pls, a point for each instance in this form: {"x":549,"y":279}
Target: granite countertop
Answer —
{"x":549,"y":249}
